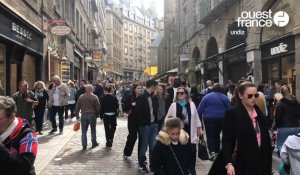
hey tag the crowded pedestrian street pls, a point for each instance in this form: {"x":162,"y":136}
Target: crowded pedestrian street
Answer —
{"x":62,"y":155}
{"x":149,"y":87}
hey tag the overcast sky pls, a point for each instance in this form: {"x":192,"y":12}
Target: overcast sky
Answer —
{"x":155,"y":6}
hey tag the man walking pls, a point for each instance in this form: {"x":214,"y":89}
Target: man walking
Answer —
{"x":109,"y":111}
{"x":146,"y":112}
{"x":24,"y":101}
{"x":89,"y":105}
{"x":58,"y":99}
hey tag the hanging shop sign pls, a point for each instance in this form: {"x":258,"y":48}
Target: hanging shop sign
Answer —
{"x":184,"y":57}
{"x":60,"y":30}
{"x":96,"y":55}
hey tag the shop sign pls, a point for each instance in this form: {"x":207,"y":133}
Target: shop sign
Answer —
{"x":20,"y":32}
{"x":60,"y":30}
{"x":278,"y":47}
{"x":184,"y":57}
{"x":96,"y":55}
{"x":236,"y":31}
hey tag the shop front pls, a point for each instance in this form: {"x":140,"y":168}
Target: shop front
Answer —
{"x":21,"y":51}
{"x":235,"y":61}
{"x":278,"y":60}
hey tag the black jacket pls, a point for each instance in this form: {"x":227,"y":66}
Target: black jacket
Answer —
{"x":143,"y":109}
{"x":79,"y":92}
{"x":250,"y":159}
{"x":109,"y":103}
{"x":164,"y":162}
{"x":287,"y":113}
{"x":170,"y":97}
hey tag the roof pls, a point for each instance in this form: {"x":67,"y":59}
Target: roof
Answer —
{"x":157,"y":39}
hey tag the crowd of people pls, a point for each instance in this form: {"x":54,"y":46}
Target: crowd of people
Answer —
{"x":238,"y":122}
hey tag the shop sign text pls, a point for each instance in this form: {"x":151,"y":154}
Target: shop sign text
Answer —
{"x":279,"y":49}
{"x":21,"y":31}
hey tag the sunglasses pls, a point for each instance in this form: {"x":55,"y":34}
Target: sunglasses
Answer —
{"x":180,"y":93}
{"x":251,"y":96}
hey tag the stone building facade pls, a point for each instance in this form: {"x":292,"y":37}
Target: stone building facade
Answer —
{"x":29,"y":51}
{"x":221,"y":50}
{"x":114,"y":38}
{"x":138,"y":31}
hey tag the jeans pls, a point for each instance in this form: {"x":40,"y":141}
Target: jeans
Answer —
{"x":86,"y":120}
{"x":213,"y":129}
{"x":60,"y":111}
{"x":147,"y":138}
{"x":133,"y":130}
{"x":70,"y":107}
{"x":283,"y":134}
{"x":110,"y":124}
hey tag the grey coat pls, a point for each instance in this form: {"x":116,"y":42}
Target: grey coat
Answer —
{"x":290,"y":153}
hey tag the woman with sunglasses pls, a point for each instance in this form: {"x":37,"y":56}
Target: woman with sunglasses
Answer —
{"x":246,"y":141}
{"x":186,"y":110}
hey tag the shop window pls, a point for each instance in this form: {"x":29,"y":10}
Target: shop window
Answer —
{"x":287,"y":73}
{"x":28,"y":68}
{"x":2,"y":69}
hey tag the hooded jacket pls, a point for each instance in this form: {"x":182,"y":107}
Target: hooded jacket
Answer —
{"x":164,"y":161}
{"x":287,"y":113}
{"x":290,"y":153}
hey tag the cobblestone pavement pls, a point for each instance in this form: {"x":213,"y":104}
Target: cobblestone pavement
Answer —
{"x":66,"y":157}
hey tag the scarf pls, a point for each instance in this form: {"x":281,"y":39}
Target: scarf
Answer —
{"x":185,"y":114}
{"x":9,"y":130}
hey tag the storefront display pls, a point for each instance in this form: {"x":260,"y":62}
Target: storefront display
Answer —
{"x":21,"y":51}
{"x":278,"y":60}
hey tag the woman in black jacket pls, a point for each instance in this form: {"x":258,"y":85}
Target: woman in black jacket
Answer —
{"x":41,"y":94}
{"x":246,"y":141}
{"x":172,"y":154}
{"x":129,"y":103}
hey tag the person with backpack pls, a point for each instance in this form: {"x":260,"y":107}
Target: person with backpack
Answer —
{"x":172,"y":154}
{"x":129,"y":107}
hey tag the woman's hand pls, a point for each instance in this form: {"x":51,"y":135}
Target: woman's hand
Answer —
{"x":230,"y":169}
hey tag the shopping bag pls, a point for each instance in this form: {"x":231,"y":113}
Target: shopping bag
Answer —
{"x":202,"y":149}
{"x":76,"y":126}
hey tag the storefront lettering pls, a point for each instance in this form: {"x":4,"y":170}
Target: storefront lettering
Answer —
{"x":237,"y":32}
{"x":279,"y":49}
{"x":21,"y":31}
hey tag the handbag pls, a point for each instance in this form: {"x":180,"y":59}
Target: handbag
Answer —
{"x":76,"y":126}
{"x":202,"y":149}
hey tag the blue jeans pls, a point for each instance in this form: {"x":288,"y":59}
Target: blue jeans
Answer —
{"x":213,"y":129}
{"x":86,"y":120}
{"x":283,"y":134}
{"x":147,"y":138}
